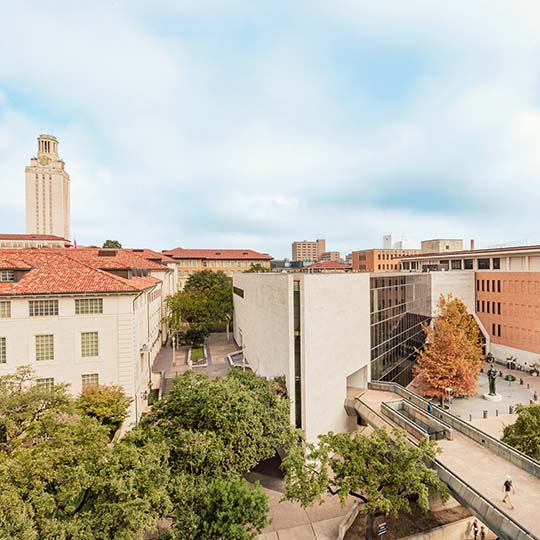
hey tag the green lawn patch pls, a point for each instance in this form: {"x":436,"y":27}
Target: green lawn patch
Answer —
{"x":197,"y":353}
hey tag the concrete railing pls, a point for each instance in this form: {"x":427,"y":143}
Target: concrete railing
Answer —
{"x":503,"y":450}
{"x":404,"y":413}
{"x":346,"y":523}
{"x":496,"y":519}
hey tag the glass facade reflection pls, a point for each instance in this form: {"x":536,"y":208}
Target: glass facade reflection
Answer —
{"x":399,"y":307}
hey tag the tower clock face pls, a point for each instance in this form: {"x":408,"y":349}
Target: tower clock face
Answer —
{"x":43,"y":160}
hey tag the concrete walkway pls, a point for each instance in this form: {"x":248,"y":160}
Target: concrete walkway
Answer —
{"x":482,"y":469}
{"x":292,"y":522}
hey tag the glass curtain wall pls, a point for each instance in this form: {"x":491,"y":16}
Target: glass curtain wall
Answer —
{"x":400,"y":305}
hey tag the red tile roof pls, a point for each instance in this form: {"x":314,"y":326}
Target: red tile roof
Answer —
{"x":113,"y":259}
{"x":329,"y":265}
{"x":31,"y":237}
{"x":56,"y":272}
{"x":181,"y":253}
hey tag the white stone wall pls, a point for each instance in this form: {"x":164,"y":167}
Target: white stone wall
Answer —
{"x":335,"y":338}
{"x":335,"y":344}
{"x":122,"y":330}
{"x":263,"y":325}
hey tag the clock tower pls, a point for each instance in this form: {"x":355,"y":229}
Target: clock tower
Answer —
{"x":47,"y":191}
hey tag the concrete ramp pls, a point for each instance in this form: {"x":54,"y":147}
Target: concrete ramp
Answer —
{"x":472,"y":464}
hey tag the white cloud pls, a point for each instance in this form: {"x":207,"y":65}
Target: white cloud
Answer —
{"x":232,"y":123}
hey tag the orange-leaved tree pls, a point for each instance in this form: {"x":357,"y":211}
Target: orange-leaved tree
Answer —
{"x":452,"y":355}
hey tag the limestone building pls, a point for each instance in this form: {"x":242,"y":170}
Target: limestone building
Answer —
{"x":47,"y":192}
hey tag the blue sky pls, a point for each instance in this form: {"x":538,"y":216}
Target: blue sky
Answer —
{"x":252,"y":124}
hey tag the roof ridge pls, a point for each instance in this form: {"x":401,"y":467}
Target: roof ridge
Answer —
{"x":102,"y":272}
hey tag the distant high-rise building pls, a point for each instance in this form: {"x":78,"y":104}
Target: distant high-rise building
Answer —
{"x":47,"y":191}
{"x":307,"y":250}
{"x":393,"y":241}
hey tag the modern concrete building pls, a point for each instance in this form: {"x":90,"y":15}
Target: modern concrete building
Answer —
{"x":308,"y":250}
{"x":77,"y":324}
{"x":507,"y":294}
{"x":229,"y":261}
{"x":47,"y":192}
{"x":441,"y":245}
{"x":26,"y":241}
{"x":329,"y":332}
{"x":379,"y":260}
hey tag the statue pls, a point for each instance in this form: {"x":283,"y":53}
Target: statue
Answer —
{"x":492,"y":377}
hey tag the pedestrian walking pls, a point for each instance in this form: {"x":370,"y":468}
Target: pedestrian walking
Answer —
{"x":482,"y":533}
{"x":508,"y":489}
{"x":475,"y":530}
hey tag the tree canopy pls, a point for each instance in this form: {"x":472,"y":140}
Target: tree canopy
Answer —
{"x":257,"y":268}
{"x":205,"y":302}
{"x":452,"y":354}
{"x":60,"y":477}
{"x":112,"y":244}
{"x":382,"y":470}
{"x":524,"y":433}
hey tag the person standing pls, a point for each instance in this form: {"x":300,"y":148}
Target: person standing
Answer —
{"x":475,"y":530}
{"x":430,"y":408}
{"x":508,"y":488}
{"x":482,"y":533}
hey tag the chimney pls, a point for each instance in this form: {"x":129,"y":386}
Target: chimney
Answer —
{"x":472,"y":244}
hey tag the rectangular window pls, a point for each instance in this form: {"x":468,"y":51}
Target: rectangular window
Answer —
{"x":487,"y":306}
{"x":43,"y":308}
{"x":45,"y":347}
{"x":499,"y":285}
{"x":478,"y":305}
{"x":468,"y":264}
{"x":7,"y":276}
{"x":477,"y":284}
{"x":487,"y":285}
{"x":88,"y":306}
{"x":493,"y":308}
{"x":498,"y":330}
{"x":3,"y":351}
{"x":89,"y":344}
{"x":238,"y":291}
{"x":456,"y":264}
{"x":89,"y":380}
{"x":496,"y":263}
{"x":493,"y":329}
{"x":5,"y":309}
{"x":46,"y":384}
{"x":483,"y":308}
{"x":484,"y":264}
{"x":498,"y":308}
{"x":483,"y":285}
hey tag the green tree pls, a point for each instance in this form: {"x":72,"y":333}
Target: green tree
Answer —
{"x":216,"y":431}
{"x":108,"y":404}
{"x":257,"y":268}
{"x":217,"y":508}
{"x":524,"y":433}
{"x":205,"y":302}
{"x":112,"y":244}
{"x":382,"y":470}
{"x":452,"y":355}
{"x":234,"y":422}
{"x":60,"y":477}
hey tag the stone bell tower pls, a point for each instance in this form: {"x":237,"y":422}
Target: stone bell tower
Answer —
{"x":47,"y":191}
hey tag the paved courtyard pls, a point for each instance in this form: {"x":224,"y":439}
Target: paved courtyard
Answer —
{"x":472,"y":409}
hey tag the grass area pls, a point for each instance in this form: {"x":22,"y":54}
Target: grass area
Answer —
{"x":406,"y":524}
{"x":197,"y":353}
